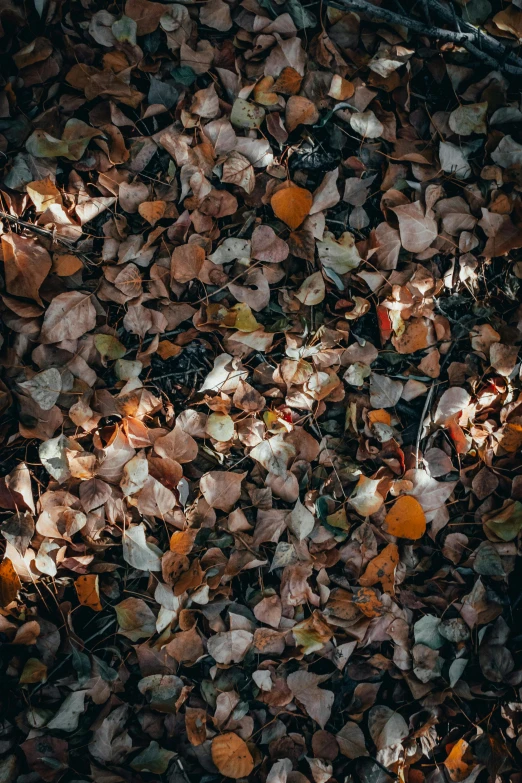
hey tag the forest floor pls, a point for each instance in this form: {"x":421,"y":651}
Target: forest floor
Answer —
{"x":260,"y":391}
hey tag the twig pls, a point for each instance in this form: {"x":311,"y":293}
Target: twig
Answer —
{"x":148,"y":340}
{"x":426,"y":10}
{"x":498,"y":49}
{"x":58,"y":666}
{"x":44,"y":232}
{"x":427,"y":404}
{"x":173,"y":375}
{"x":466,"y":38}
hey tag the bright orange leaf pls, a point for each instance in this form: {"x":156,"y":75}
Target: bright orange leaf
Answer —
{"x":459,"y":762}
{"x":88,"y":591}
{"x":406,"y":518}
{"x":9,"y":582}
{"x":382,"y":569}
{"x":292,"y":204}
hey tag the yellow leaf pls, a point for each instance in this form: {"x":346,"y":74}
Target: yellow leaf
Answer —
{"x":43,"y":193}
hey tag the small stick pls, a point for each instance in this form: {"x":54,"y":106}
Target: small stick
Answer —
{"x":44,"y":232}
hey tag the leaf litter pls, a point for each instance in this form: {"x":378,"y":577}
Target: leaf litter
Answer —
{"x":260,"y":491}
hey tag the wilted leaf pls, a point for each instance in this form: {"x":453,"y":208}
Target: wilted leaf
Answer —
{"x":69,"y":316}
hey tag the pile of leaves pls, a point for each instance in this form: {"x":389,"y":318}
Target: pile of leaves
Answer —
{"x":260,"y":396}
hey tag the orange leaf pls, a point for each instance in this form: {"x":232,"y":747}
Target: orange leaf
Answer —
{"x":9,"y":582}
{"x":460,"y":761}
{"x":368,"y":602}
{"x":379,"y":415}
{"x":182,"y":541}
{"x":231,"y":756}
{"x":340,"y":89}
{"x":167,"y":350}
{"x":382,"y":569}
{"x":406,"y":518}
{"x":66,"y":264}
{"x":262,"y":94}
{"x":152,"y":211}
{"x":288,"y":82}
{"x":292,"y":204}
{"x":196,"y":725}
{"x":88,"y":592}
{"x":414,"y":338}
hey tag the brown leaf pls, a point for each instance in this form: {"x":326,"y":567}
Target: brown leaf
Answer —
{"x":26,"y":265}
{"x":300,"y":111}
{"x":221,"y":490}
{"x":417,"y":230}
{"x":69,"y":316}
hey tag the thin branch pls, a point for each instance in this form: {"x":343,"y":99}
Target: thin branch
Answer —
{"x":467,"y":38}
{"x":500,"y":51}
{"x":44,"y":232}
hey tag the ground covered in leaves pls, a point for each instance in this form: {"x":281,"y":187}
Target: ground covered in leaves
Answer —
{"x":260,"y":398}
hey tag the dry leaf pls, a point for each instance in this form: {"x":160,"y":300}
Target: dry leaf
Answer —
{"x":292,"y":204}
{"x":231,"y":756}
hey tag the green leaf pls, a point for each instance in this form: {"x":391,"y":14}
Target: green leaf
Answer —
{"x":507,"y":523}
{"x":124,"y":30}
{"x":301,"y":17}
{"x":106,"y":672}
{"x":153,"y":759}
{"x":184,"y":75}
{"x":246,"y":115}
{"x":109,"y":347}
{"x":426,"y":631}
{"x":82,"y":665}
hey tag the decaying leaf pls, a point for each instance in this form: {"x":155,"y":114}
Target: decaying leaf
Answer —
{"x":261,"y":391}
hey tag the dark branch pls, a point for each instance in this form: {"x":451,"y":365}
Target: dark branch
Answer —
{"x":468,"y":37}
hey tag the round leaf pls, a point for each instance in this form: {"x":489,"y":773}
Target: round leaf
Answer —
{"x":231,"y":756}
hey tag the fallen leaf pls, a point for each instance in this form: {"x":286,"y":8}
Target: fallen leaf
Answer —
{"x":292,"y":204}
{"x":231,"y":756}
{"x":382,"y":569}
{"x":87,"y":589}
